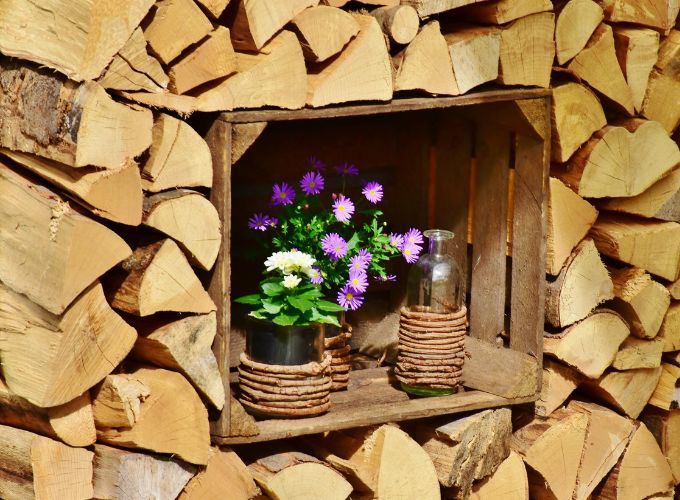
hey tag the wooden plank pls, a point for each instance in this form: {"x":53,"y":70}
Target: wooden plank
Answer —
{"x":219,"y":141}
{"x":453,"y":150}
{"x":395,"y":106}
{"x":528,"y":243}
{"x":487,"y":302}
{"x":373,"y":397}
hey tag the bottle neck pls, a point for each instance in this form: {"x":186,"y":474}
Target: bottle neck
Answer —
{"x":436,"y":246}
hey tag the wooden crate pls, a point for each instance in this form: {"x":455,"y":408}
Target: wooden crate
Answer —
{"x":476,"y":165}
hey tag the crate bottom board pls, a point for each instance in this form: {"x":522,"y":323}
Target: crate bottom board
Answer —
{"x":373,"y":397}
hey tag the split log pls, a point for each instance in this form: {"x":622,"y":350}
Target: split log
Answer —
{"x":155,"y":278}
{"x":244,"y":135}
{"x":293,"y":474}
{"x":669,"y":55}
{"x":172,"y":419}
{"x":658,"y":14}
{"x":426,"y":8}
{"x":185,"y":346}
{"x":334,"y":3}
{"x":653,"y":246}
{"x":120,"y":75}
{"x":636,"y":50}
{"x":112,"y":194}
{"x":607,"y":437}
{"x":362,"y":71}
{"x":598,"y":66}
{"x":399,"y":22}
{"x":528,"y":50}
{"x":508,"y":482}
{"x":257,"y":21}
{"x":189,"y":219}
{"x":583,"y":284}
{"x":591,"y":345}
{"x":213,"y":58}
{"x":425,"y":64}
{"x":135,"y":54}
{"x":627,"y":391}
{"x":214,"y":8}
{"x":184,"y":105}
{"x":576,"y":22}
{"x":277,"y":71}
{"x":559,"y":381}
{"x":474,"y":52}
{"x":576,"y":114}
{"x":503,"y":11}
{"x":552,"y":450}
{"x":638,"y":353}
{"x":674,"y":289}
{"x":670,"y":329}
{"x":78,"y":38}
{"x":323,"y":31}
{"x":665,"y":427}
{"x":99,"y":132}
{"x":667,"y":393}
{"x":173,"y":26}
{"x":381,"y":463}
{"x":125,"y":475}
{"x":641,"y":471}
{"x":178,"y":157}
{"x":570,"y":218}
{"x":621,"y":161}
{"x":51,"y":360}
{"x":33,"y":466}
{"x":466,"y":449}
{"x":660,"y":201}
{"x":661,"y":100}
{"x":225,"y":476}
{"x":71,"y":422}
{"x":640,"y":300}
{"x":117,"y":401}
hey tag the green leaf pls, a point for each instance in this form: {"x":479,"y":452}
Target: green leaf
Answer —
{"x":253,"y":299}
{"x":302,"y":305}
{"x":353,"y":241}
{"x":271,"y":307}
{"x":325,"y":305}
{"x":285,"y":319}
{"x":257,"y":314}
{"x":272,"y":289}
{"x":327,"y":319}
{"x":314,"y":293}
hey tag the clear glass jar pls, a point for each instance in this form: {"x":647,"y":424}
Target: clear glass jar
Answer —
{"x":435,"y":281}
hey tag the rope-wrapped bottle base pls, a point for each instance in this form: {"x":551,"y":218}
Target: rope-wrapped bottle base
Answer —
{"x":285,"y":390}
{"x":339,"y":349}
{"x":431,"y":351}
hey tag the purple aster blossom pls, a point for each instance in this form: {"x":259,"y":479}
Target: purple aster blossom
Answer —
{"x":388,"y":277}
{"x":358,"y":280}
{"x":282,"y":194}
{"x":259,"y":222}
{"x":316,"y":164}
{"x":413,"y":236}
{"x":312,"y":183}
{"x":365,"y":255}
{"x":373,"y":192}
{"x":349,"y":299}
{"x":316,"y":277}
{"x":346,"y":169}
{"x":343,"y":208}
{"x":273,"y":222}
{"x":357,"y":263}
{"x":396,"y":240}
{"x":411,"y":252}
{"x":333,"y":245}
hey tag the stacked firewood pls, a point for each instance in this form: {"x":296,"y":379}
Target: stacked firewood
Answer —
{"x":106,"y":235}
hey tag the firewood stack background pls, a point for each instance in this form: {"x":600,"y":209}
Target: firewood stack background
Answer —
{"x":106,"y":234}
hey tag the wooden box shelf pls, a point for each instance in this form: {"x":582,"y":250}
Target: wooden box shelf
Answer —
{"x":476,"y":165}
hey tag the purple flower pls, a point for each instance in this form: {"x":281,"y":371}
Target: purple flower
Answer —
{"x":413,"y":236}
{"x":259,"y":222}
{"x":332,"y":244}
{"x":316,"y":164}
{"x":312,"y":183}
{"x":343,"y":208}
{"x":273,"y":221}
{"x":283,"y":194}
{"x":316,"y":277}
{"x":346,"y":169}
{"x":396,"y":240}
{"x":358,"y":280}
{"x":373,"y":192}
{"x":365,"y":255}
{"x":389,"y":277}
{"x":411,"y":252}
{"x":349,"y":299}
{"x":358,"y":263}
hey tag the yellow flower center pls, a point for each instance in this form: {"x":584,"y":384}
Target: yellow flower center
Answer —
{"x":312,"y":184}
{"x":407,"y":251}
{"x":349,"y":296}
{"x":341,"y":208}
{"x":282,"y":195}
{"x":372,"y":191}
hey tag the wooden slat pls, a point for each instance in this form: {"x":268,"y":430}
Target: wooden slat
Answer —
{"x":373,"y":397}
{"x":487,"y":303}
{"x":219,"y":140}
{"x":397,"y":105}
{"x":528,"y":244}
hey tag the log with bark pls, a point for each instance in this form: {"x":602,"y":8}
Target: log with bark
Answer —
{"x":399,"y":22}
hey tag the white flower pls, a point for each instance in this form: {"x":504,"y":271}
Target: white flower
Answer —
{"x":290,"y":262}
{"x":291,"y":281}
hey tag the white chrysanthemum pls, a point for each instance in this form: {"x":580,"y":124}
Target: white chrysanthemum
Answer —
{"x":291,"y":281}
{"x":290,"y":262}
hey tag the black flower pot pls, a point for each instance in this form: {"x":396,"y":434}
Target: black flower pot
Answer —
{"x":269,"y":343}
